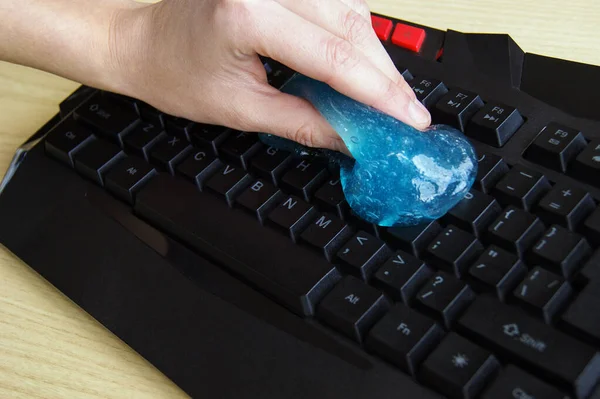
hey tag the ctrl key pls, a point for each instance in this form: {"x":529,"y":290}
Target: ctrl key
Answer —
{"x":515,"y":383}
{"x":352,"y":307}
{"x":128,"y":176}
{"x":458,"y":368}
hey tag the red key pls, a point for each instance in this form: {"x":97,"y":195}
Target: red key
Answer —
{"x":383,"y":27}
{"x":408,"y":37}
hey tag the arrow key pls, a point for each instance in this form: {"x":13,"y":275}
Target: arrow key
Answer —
{"x":495,"y":124}
{"x":362,"y":254}
{"x":401,"y":276}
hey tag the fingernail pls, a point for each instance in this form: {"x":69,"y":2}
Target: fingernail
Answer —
{"x":418,"y":113}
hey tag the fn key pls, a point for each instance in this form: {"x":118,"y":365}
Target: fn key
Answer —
{"x":128,"y":176}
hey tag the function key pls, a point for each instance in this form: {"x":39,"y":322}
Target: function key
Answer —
{"x":586,"y":166}
{"x":404,"y":337}
{"x":128,"y":176}
{"x":107,"y":117}
{"x":362,"y":254}
{"x":292,"y":215}
{"x":96,"y":158}
{"x":408,"y":37}
{"x":428,"y":91}
{"x":66,"y":139}
{"x":515,"y":230}
{"x":490,"y":169}
{"x":494,"y":124}
{"x":543,"y":292}
{"x":270,"y":163}
{"x":521,"y":187}
{"x":499,"y":270}
{"x":352,"y":307}
{"x":458,"y":368}
{"x":555,"y":146}
{"x":565,"y":205}
{"x":456,"y":108}
{"x":382,"y":27}
{"x":401,"y":276}
{"x":514,"y":383}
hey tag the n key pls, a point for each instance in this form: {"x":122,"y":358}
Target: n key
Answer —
{"x":292,"y":215}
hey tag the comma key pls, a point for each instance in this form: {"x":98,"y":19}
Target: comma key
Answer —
{"x":518,"y":337}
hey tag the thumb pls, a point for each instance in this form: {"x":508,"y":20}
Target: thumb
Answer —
{"x":267,"y":110}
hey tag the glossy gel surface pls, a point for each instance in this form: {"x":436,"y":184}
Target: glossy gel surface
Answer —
{"x":398,"y":176}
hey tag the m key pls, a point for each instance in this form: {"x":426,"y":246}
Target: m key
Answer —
{"x":352,"y":307}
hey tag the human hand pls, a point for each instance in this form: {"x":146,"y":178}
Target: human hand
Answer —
{"x":199,"y":60}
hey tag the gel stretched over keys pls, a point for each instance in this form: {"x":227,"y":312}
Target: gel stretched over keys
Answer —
{"x":398,"y":176}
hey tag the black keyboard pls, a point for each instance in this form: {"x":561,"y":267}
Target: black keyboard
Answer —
{"x":497,"y":299}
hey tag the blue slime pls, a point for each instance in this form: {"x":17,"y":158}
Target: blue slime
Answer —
{"x":398,"y":175}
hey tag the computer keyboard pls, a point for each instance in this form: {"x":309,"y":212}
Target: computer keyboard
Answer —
{"x":497,"y":299}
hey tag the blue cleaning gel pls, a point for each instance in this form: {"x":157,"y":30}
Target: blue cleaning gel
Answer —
{"x":398,"y":176}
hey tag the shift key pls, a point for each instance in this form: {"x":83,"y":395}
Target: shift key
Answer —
{"x":517,"y":337}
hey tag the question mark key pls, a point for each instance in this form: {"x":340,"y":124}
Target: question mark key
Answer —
{"x":443,"y":297}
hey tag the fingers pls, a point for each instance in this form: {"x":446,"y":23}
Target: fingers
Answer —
{"x":268,"y":110}
{"x":324,"y":56}
{"x":351,"y":21}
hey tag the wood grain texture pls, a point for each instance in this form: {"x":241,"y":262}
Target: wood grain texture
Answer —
{"x":49,"y":348}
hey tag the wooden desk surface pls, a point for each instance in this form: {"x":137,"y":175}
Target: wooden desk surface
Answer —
{"x":49,"y":348}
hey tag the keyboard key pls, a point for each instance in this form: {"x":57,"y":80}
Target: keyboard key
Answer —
{"x":474,"y":213}
{"x":543,"y":292}
{"x":514,"y":383}
{"x":293,"y":215}
{"x":198,"y":166}
{"x":405,"y":73}
{"x":521,"y":187}
{"x":498,"y":270}
{"x":240,"y":147}
{"x":331,"y":197}
{"x":277,"y":73}
{"x":413,"y":239}
{"x":586,"y":166}
{"x":178,"y":127}
{"x":66,"y":139}
{"x":352,"y":307}
{"x":591,"y":227}
{"x":401,"y":276}
{"x":560,"y":250}
{"x":211,"y":136}
{"x":229,"y":181}
{"x":494,"y":124}
{"x":490,"y":170}
{"x":408,"y":37}
{"x":150,"y":114}
{"x":444,"y":297}
{"x":453,"y":250}
{"x":96,"y":158}
{"x":458,"y":368}
{"x":456,"y":108}
{"x":260,"y":198}
{"x":363,"y":224}
{"x":518,"y":337}
{"x":294,"y":277}
{"x":270,"y":163}
{"x":582,"y":317}
{"x":565,"y":205}
{"x":142,"y":138}
{"x":404,"y":337}
{"x":128,"y":176}
{"x":590,"y":273}
{"x":362,"y":254}
{"x":304,"y":177}
{"x":169,"y":152}
{"x":327,"y":233}
{"x":555,"y":146}
{"x":515,"y":230}
{"x":382,"y":27}
{"x":428,"y":91}
{"x":107,"y":118}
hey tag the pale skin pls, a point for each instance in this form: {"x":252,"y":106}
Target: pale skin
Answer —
{"x":198,"y":59}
